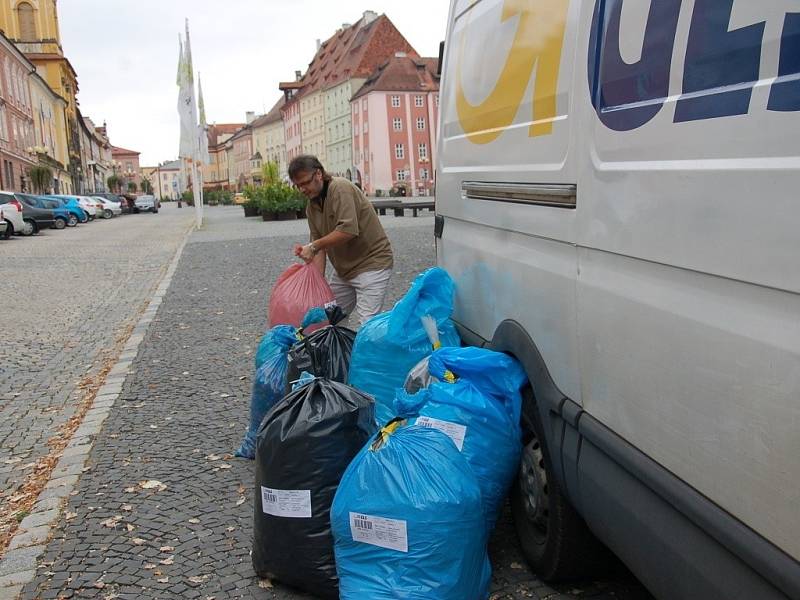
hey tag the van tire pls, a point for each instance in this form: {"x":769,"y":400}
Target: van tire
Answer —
{"x":554,"y":538}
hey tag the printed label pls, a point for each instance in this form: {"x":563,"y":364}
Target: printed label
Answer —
{"x":377,"y":531}
{"x":286,"y":503}
{"x":454,"y":431}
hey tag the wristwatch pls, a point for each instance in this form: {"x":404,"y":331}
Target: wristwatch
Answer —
{"x":314,"y":249}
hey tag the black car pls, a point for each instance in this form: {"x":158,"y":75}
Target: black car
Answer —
{"x":35,"y":215}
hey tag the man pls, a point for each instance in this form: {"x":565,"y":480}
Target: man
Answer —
{"x":344,"y":228}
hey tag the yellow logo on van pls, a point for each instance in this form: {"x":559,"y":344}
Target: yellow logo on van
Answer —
{"x":537,"y":43}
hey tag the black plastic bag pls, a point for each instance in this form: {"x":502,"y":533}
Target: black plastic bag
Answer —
{"x":324,"y":353}
{"x":305,"y":443}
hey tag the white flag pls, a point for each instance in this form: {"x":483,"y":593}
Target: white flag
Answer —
{"x":202,"y":130}
{"x":186,"y":105}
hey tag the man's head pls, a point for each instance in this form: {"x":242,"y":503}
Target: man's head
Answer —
{"x":308,"y":175}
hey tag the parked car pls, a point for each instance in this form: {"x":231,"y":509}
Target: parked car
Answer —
{"x":72,"y":205}
{"x":35,"y":217}
{"x":12,"y":214}
{"x":90,"y":206}
{"x":3,"y":225}
{"x":146,"y":203}
{"x":61,"y":216}
{"x":109,"y":207}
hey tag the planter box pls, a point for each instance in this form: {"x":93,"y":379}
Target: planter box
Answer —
{"x":268,"y":216}
{"x":250,"y":211}
{"x":287,"y":215}
{"x":301,"y":214}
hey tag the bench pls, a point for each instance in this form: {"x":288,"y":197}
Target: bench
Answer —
{"x":399,"y":207}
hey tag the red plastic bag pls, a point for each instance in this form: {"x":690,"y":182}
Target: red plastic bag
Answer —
{"x":299,"y":288}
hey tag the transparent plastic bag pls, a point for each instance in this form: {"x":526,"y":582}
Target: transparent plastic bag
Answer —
{"x":298,"y":289}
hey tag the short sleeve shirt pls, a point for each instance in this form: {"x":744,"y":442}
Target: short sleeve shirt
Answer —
{"x":343,"y":207}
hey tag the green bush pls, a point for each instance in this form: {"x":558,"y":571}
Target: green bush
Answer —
{"x":225,"y":197}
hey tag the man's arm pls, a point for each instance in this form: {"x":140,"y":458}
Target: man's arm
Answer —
{"x":334,"y":238}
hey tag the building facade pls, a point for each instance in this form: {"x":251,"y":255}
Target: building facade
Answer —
{"x":168,"y":180}
{"x":33,"y":27}
{"x":125,"y":165}
{"x":16,"y":118}
{"x":49,"y":113}
{"x":215,"y":173}
{"x":269,"y":138}
{"x":239,"y":150}
{"x":395,"y":117}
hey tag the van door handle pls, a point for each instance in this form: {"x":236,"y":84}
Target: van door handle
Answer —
{"x":560,"y":195}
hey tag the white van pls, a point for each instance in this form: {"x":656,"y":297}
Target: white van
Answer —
{"x":618,"y":200}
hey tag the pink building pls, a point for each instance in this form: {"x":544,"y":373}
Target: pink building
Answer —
{"x":290,"y":112}
{"x":16,"y":118}
{"x":395,"y":117}
{"x":125,"y":165}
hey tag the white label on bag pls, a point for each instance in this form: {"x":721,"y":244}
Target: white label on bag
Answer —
{"x":377,"y":531}
{"x":286,"y":503}
{"x":454,"y":431}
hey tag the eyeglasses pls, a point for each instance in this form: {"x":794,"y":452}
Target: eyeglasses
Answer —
{"x":307,"y":182}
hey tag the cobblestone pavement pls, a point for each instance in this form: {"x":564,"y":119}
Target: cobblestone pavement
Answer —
{"x":67,"y":297}
{"x":182,"y":411}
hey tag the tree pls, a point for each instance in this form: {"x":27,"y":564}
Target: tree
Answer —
{"x":146,"y":186}
{"x":41,"y":177}
{"x":113,"y":183}
{"x":132,"y":187}
{"x":270,"y":173}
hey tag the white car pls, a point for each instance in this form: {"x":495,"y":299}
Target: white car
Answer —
{"x":90,"y":205}
{"x":3,"y":225}
{"x":146,"y":203}
{"x":110,"y":208}
{"x":12,"y":214}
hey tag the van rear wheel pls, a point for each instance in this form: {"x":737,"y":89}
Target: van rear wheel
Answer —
{"x":554,"y":538}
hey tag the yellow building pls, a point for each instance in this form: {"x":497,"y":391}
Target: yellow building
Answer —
{"x":48,"y":119}
{"x":33,"y":27}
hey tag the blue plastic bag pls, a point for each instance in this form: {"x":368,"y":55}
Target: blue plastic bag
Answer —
{"x":475,"y":398}
{"x":269,"y":382}
{"x":391,"y":343}
{"x":407,"y":521}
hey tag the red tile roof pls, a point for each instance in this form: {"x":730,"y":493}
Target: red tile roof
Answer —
{"x":354,"y":51}
{"x":118,"y":150}
{"x":272,"y":116}
{"x":402,"y":74}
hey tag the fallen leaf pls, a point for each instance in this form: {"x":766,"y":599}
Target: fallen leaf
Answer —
{"x":198,"y":579}
{"x":129,"y":527}
{"x":240,"y":501}
{"x":127,"y":507}
{"x":224,"y":466}
{"x":138,"y":541}
{"x":149,"y":566}
{"x":129,"y":490}
{"x":111,"y":522}
{"x":516,"y":565}
{"x":70,"y":515}
{"x":224,"y":395}
{"x":167,"y":561}
{"x":166,"y":549}
{"x":163,"y":580}
{"x":99,"y":585}
{"x":229,"y":529}
{"x":265,"y":584}
{"x":213,"y":457}
{"x":152,"y":484}
{"x":194,"y":521}
{"x":241,"y":489}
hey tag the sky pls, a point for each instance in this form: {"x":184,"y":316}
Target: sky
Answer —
{"x":125,"y":53}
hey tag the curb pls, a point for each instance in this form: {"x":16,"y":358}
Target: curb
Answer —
{"x":18,"y":566}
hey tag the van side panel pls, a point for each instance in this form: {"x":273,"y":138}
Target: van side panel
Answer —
{"x":510,"y":260}
{"x":688,"y":305}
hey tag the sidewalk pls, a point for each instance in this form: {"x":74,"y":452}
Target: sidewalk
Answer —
{"x":163,"y":509}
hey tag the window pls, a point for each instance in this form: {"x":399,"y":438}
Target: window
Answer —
{"x":400,"y":175}
{"x":423,"y":174}
{"x":364,"y":104}
{"x":397,"y":123}
{"x":419,"y":101}
{"x":27,"y":22}
{"x":398,"y":151}
{"x":355,"y":129}
{"x":366,"y":127}
{"x":396,"y":101}
{"x":420,"y":123}
{"x":422,"y":149}
{"x":436,"y":100}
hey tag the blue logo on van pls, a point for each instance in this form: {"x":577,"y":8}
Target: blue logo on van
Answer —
{"x":721,"y":65}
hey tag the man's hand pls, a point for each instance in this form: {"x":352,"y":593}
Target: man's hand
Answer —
{"x":297,"y":249}
{"x":307,"y":253}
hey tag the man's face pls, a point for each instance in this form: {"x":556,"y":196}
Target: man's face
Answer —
{"x":309,"y":182}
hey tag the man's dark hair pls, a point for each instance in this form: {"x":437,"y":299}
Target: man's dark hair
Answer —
{"x":305,"y":163}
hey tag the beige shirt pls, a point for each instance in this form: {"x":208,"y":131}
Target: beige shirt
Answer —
{"x":343,"y":207}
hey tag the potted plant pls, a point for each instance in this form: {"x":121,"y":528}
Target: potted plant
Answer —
{"x":286,"y":204}
{"x":251,"y":206}
{"x":267,"y":203}
{"x":299,"y":202}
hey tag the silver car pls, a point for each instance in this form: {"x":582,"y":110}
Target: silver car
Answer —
{"x":146,"y":203}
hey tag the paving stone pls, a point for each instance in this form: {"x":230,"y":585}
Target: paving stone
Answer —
{"x":21,"y":559}
{"x":38,"y":519}
{"x":10,"y":592}
{"x":29,"y":537}
{"x":17,"y":578}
